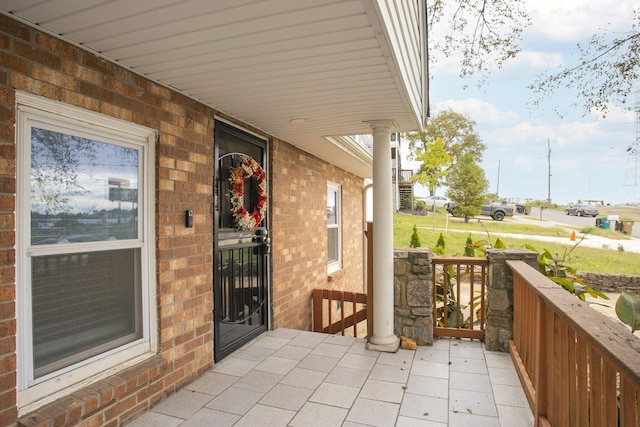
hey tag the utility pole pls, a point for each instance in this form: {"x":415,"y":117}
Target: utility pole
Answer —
{"x":549,"y":177}
{"x":498,"y":184}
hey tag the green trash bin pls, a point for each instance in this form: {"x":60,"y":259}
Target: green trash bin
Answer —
{"x":602,"y":223}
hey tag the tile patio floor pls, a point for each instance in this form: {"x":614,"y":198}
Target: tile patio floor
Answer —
{"x":295,"y":378}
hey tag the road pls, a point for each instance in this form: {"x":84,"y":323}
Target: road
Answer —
{"x":578,"y":221}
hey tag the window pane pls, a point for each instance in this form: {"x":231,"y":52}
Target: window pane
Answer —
{"x":81,"y":190}
{"x":332,"y":244}
{"x":332,"y":204}
{"x":83,"y":304}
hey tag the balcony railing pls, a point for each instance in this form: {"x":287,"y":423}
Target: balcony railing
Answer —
{"x":578,"y":367}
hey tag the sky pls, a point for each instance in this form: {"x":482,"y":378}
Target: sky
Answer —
{"x":588,"y":153}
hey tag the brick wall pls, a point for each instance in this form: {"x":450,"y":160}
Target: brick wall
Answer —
{"x":299,"y":206}
{"x":40,"y":64}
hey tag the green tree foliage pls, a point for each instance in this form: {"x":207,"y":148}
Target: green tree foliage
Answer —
{"x":434,"y":163}
{"x":485,"y":32}
{"x":467,"y":186}
{"x":607,"y":72}
{"x":469,"y":249}
{"x":415,"y":239}
{"x":457,"y":132}
{"x":440,"y":245}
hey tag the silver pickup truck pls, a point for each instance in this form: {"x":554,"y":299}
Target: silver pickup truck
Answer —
{"x":496,"y":211}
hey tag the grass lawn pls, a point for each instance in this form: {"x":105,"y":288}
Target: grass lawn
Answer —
{"x":583,"y":258}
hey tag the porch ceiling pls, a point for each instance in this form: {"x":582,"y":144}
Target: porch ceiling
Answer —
{"x":330,"y":62}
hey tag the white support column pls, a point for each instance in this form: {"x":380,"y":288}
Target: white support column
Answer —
{"x":383,"y":337}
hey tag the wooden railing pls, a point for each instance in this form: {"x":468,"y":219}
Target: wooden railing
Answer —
{"x":578,"y":367}
{"x":459,"y":296}
{"x":337,"y":311}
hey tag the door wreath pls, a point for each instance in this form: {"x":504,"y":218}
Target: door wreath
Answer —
{"x":247,"y":168}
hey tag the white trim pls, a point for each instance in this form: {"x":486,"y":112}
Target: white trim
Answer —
{"x":36,"y":110}
{"x":335,"y":265}
{"x":239,"y":127}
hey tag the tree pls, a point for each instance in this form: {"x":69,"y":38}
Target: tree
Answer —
{"x":447,"y":137}
{"x":485,"y":32}
{"x":434,"y":164}
{"x":607,"y":72}
{"x":467,"y":186}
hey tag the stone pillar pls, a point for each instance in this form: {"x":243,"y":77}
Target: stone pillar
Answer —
{"x":383,"y":338}
{"x":499,"y":316}
{"x":413,"y":294}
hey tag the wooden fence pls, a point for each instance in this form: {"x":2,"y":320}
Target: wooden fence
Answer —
{"x":579,"y":368}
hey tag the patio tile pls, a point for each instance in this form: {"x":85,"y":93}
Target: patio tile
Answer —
{"x":430,"y":369}
{"x":335,"y":395}
{"x":286,"y":397}
{"x":382,"y":390}
{"x":155,"y":419}
{"x":472,"y":402}
{"x":360,"y":347}
{"x":509,"y":395}
{"x":466,"y":349}
{"x":504,"y":376}
{"x":261,"y":415}
{"x":273,"y":342}
{"x":283,"y":333}
{"x":331,"y":350}
{"x":212,"y":383}
{"x":293,"y":378}
{"x":469,"y":381}
{"x":401,"y":358}
{"x":259,"y":381}
{"x":235,"y":401}
{"x":373,"y":413}
{"x":512,"y":416}
{"x":277,"y":365}
{"x":357,"y":361}
{"x":317,"y":415}
{"x":464,"y":419}
{"x":391,"y":373}
{"x":428,"y":386}
{"x":182,"y":404}
{"x":429,"y":354}
{"x":304,"y":378}
{"x":496,"y":359}
{"x":315,"y":362}
{"x":425,"y":408}
{"x":469,"y":365}
{"x":307,"y":340}
{"x":414,"y":422}
{"x":234,"y":366}
{"x":254,"y":352}
{"x":210,"y":417}
{"x":340,"y":340}
{"x":347,"y":376}
{"x":293,"y":352}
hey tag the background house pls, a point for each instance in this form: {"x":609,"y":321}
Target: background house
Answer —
{"x":132,"y":116}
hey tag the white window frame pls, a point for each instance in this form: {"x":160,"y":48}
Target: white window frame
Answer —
{"x":335,"y":265}
{"x":36,"y":111}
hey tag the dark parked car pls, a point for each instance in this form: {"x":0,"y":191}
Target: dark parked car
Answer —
{"x":494,"y":210}
{"x":582,"y":210}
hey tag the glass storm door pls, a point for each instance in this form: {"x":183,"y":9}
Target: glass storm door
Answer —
{"x":241,"y":240}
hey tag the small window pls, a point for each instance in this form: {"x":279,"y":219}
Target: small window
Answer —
{"x":85,"y":246}
{"x":334,"y":228}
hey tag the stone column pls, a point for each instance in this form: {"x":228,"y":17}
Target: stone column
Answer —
{"x":499,"y":317}
{"x":383,"y":337}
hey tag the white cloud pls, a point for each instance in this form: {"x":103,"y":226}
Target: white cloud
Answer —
{"x":577,"y":20}
{"x":480,"y":111}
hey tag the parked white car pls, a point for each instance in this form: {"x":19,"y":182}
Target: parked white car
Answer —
{"x":440,"y":201}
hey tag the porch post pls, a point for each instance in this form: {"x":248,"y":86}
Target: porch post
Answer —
{"x":383,"y":337}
